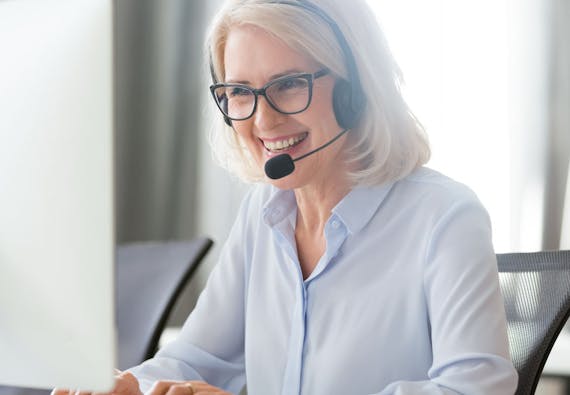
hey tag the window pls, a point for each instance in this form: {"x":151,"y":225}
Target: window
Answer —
{"x":462,"y":72}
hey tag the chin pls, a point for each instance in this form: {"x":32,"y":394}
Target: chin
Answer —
{"x":292,"y":181}
{"x":285,"y":183}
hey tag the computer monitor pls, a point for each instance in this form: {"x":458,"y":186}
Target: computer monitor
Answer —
{"x":57,"y":323}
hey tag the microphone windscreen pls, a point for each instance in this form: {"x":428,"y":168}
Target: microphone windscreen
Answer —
{"x":279,"y":166}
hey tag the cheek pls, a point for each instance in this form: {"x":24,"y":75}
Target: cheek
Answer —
{"x":322,"y":106}
{"x":245,"y":138}
{"x":243,"y":133}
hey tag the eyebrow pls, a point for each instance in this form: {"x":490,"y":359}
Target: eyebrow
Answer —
{"x":271,"y":78}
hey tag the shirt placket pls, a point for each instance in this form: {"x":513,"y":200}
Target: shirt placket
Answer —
{"x":335,"y":233}
{"x":293,"y":371}
{"x":284,"y":235}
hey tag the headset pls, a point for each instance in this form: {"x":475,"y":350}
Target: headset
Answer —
{"x":348,"y":96}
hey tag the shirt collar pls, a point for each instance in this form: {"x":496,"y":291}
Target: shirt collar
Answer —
{"x":355,"y":210}
{"x":358,"y":207}
{"x":280,"y":205}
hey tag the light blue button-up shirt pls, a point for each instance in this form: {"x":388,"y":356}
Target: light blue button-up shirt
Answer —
{"x":405,"y":300}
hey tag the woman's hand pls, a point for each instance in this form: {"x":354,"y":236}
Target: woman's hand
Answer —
{"x":185,"y":388}
{"x":125,"y":384}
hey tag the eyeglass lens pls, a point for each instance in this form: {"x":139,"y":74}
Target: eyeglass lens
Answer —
{"x":287,"y":95}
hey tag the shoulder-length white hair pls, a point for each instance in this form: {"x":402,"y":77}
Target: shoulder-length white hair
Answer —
{"x":388,"y":142}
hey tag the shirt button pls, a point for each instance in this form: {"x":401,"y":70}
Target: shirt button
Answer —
{"x":335,"y":224}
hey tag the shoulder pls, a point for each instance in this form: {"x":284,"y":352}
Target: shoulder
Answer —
{"x":430,"y":199}
{"x":428,"y":187}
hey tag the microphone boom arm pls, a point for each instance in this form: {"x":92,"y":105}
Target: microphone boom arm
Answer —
{"x":322,"y":146}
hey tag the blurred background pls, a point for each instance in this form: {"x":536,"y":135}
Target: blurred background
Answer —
{"x":489,"y":79}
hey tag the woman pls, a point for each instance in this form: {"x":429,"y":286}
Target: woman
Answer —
{"x":353,"y":270}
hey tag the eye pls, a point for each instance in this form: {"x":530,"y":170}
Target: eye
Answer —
{"x":235,"y":91}
{"x":291,"y":84}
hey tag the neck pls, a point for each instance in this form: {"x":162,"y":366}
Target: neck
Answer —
{"x":315,"y":204}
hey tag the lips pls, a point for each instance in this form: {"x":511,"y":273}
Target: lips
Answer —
{"x":282,"y":145}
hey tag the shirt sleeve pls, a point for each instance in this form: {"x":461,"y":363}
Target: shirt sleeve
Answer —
{"x":210,"y":346}
{"x":466,"y":310}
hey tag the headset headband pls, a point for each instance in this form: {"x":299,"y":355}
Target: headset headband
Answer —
{"x":356,"y":94}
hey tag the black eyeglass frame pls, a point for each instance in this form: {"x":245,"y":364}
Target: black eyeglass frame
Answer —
{"x":262,"y":92}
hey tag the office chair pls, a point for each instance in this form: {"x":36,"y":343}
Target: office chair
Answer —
{"x":149,"y":280}
{"x":150,"y":277}
{"x":536,"y":291}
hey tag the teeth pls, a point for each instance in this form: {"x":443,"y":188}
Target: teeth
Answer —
{"x":284,"y":144}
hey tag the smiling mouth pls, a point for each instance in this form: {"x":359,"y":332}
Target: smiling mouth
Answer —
{"x":285,"y":144}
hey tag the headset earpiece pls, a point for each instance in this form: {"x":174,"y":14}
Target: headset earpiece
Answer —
{"x":343,"y":105}
{"x":348,"y":97}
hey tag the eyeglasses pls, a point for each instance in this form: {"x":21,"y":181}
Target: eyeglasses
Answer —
{"x":290,"y":94}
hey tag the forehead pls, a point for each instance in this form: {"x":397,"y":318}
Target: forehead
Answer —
{"x":253,"y":55}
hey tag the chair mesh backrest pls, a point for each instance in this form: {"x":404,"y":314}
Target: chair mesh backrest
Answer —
{"x":536,"y":290}
{"x":150,"y":278}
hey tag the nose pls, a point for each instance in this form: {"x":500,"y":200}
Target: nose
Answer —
{"x":265,"y":116}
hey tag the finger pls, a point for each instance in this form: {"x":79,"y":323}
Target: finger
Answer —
{"x":127,"y":378}
{"x":59,"y":391}
{"x":126,"y":383}
{"x":161,"y":387}
{"x":198,"y":386}
{"x":169,"y":387}
{"x":181,"y":389}
{"x":202,"y":388}
{"x":103,"y":393}
{"x":66,"y":392}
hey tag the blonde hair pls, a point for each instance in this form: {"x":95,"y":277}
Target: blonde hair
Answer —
{"x":388,"y":141}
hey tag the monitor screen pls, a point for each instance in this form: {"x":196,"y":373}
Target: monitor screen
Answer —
{"x":57,"y":325}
